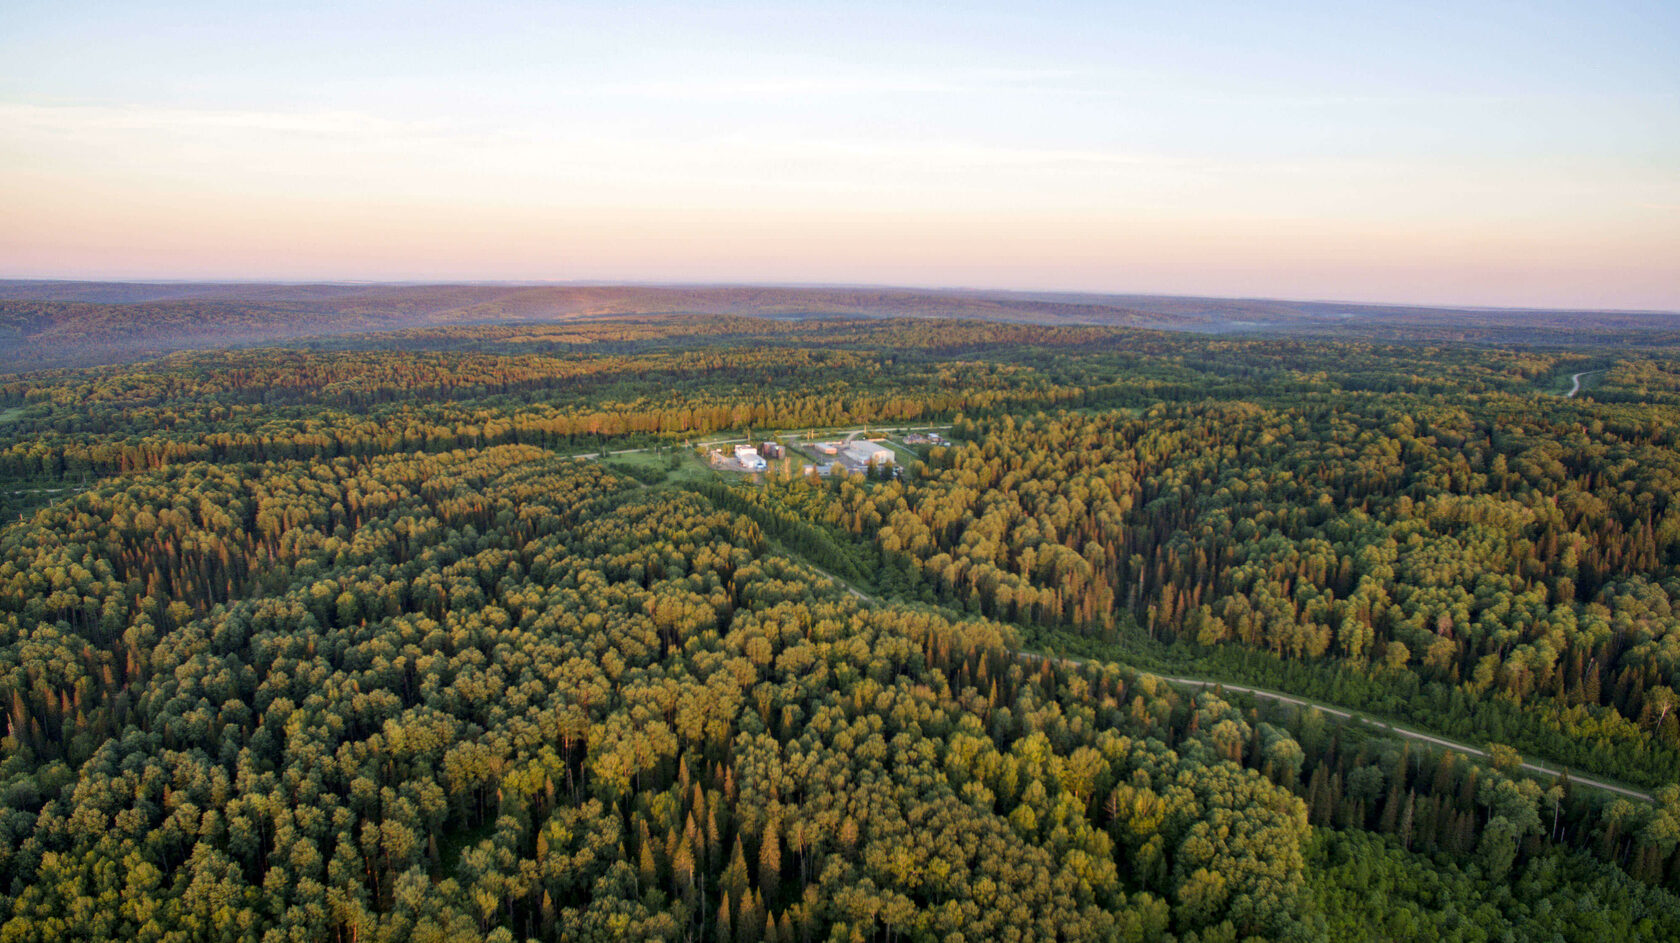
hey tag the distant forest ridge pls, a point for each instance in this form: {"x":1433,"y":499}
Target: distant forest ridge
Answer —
{"x":46,"y":323}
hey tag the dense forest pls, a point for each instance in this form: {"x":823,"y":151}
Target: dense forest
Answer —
{"x":369,"y":637}
{"x":46,"y":323}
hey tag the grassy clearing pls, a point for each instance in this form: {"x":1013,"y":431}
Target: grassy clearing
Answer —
{"x":676,"y":467}
{"x":906,"y":455}
{"x":21,"y":497}
{"x":690,"y":467}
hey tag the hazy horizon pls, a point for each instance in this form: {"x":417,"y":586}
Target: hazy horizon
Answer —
{"x":1487,"y":155}
{"x":794,"y":286}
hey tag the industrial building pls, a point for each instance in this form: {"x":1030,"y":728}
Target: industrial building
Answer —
{"x":863,"y":453}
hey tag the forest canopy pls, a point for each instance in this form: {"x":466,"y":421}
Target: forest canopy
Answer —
{"x":455,"y":632}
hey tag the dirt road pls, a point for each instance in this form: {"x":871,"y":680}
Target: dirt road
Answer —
{"x":1398,"y":731}
{"x":1576,"y":380}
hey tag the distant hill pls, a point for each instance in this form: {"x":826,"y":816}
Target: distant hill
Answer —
{"x":63,"y":323}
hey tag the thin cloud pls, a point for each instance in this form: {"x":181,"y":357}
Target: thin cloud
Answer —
{"x":78,"y":118}
{"x":773,"y":86}
{"x":74,"y":120}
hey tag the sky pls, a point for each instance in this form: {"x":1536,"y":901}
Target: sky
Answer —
{"x":1514,"y":154}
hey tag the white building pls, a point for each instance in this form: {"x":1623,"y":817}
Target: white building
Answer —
{"x":749,"y":458}
{"x":862,"y":453}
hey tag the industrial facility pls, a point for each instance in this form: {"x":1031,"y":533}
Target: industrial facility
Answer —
{"x":749,"y":458}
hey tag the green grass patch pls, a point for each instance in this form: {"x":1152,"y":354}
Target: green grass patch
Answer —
{"x":21,"y":497}
{"x":690,"y":468}
{"x":671,"y":465}
{"x":906,"y":454}
{"x":650,"y":468}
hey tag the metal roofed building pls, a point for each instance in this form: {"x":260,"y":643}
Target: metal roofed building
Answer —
{"x":860,"y":454}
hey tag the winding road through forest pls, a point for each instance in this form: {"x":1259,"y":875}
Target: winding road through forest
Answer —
{"x":1403,"y":732}
{"x":1393,"y":729}
{"x":1576,"y":380}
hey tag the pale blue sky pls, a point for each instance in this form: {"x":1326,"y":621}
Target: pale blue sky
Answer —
{"x":1490,"y":153}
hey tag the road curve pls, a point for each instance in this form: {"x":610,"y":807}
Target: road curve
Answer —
{"x":1576,"y":380}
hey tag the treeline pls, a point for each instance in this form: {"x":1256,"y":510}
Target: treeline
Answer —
{"x":1492,"y":555}
{"x":494,"y":693}
{"x":1437,"y":802}
{"x":1549,"y":731}
{"x":815,"y":541}
{"x":499,"y":694}
{"x":146,"y":418}
{"x":335,"y":646}
{"x":1369,"y":888}
{"x":628,"y":383}
{"x":1654,"y":380}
